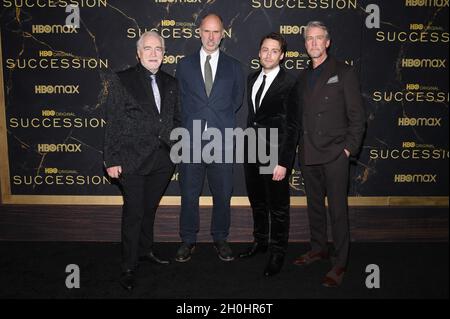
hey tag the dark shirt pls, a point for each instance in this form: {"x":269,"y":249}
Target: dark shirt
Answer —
{"x":315,"y":73}
{"x":148,"y":75}
{"x":148,"y":79}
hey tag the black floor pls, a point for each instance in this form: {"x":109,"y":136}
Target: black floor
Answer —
{"x":37,"y":270}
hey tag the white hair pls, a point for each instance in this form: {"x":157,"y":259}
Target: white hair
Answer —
{"x":149,"y":34}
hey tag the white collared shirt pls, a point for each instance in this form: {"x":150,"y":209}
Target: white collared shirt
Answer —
{"x":270,"y":77}
{"x":213,"y":62}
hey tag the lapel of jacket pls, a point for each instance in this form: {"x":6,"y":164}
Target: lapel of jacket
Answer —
{"x":219,"y":73}
{"x":161,"y":80}
{"x":197,"y":70}
{"x":328,"y":70}
{"x":146,"y":86}
{"x":251,"y":81}
{"x":272,"y":89}
{"x":304,"y":89}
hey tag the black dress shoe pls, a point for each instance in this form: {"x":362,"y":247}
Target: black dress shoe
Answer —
{"x":127,"y":280}
{"x":256,"y":248}
{"x":150,"y":257}
{"x":184,"y":252}
{"x":224,"y":250}
{"x":274,"y":265}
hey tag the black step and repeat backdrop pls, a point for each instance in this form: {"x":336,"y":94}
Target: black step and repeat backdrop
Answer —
{"x":54,"y":83}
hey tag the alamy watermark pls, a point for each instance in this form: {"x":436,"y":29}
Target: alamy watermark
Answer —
{"x":373,"y":279}
{"x":73,"y":19}
{"x":233,"y":146}
{"x":73,"y":279}
{"x":373,"y":17}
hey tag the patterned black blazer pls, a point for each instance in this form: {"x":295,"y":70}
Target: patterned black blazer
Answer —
{"x":134,"y":127}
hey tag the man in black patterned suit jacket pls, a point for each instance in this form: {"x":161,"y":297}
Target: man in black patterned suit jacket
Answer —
{"x":141,"y":110}
{"x":267,"y":95}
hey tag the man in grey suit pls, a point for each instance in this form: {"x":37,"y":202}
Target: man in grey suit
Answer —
{"x":327,"y":111}
{"x":211,"y":87}
{"x":141,"y":111}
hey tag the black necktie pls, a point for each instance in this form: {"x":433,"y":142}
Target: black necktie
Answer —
{"x":259,"y":93}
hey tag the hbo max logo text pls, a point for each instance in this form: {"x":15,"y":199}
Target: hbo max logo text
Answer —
{"x":59,"y":148}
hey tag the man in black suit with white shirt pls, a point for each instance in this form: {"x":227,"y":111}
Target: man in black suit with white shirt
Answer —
{"x":141,"y":111}
{"x":268,"y":92}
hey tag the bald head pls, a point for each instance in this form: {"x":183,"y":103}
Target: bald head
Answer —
{"x":212,"y":17}
{"x":211,"y":32}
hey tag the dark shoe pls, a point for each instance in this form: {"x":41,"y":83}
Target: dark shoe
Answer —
{"x":274,"y":265}
{"x":127,"y":280}
{"x":153,"y":259}
{"x":256,"y":248}
{"x":224,"y":250}
{"x":334,"y":277}
{"x":184,"y":252}
{"x":310,"y":257}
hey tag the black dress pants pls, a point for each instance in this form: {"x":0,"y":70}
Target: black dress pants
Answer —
{"x":270,"y":202}
{"x":141,"y":195}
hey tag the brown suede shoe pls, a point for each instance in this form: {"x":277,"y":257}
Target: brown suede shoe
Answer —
{"x":334,"y":277}
{"x":310,"y":257}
